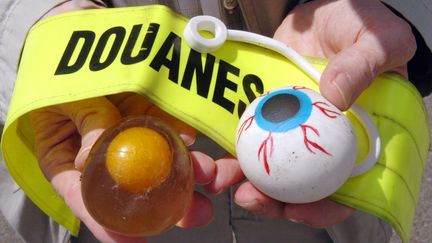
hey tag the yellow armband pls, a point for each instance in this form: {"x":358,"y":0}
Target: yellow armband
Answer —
{"x":92,"y":53}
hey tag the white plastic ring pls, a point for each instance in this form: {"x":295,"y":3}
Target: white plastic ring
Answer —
{"x":205,"y":23}
{"x":373,"y":138}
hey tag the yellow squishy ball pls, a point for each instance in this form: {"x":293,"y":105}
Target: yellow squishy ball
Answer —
{"x":139,"y":158}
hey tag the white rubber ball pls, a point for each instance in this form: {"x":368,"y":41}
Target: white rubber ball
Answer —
{"x":295,"y":146}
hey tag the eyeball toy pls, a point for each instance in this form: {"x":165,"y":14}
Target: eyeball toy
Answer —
{"x":295,"y":146}
{"x":138,"y":178}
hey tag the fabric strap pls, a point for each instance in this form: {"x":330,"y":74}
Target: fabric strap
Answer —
{"x":68,"y":57}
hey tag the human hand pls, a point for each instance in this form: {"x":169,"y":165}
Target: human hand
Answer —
{"x":65,"y":133}
{"x":320,"y":214}
{"x":361,"y":39}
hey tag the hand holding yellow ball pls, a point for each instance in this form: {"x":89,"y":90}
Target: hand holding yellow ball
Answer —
{"x":138,"y":178}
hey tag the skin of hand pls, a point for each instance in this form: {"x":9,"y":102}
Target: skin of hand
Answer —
{"x":361,"y":39}
{"x":65,"y":133}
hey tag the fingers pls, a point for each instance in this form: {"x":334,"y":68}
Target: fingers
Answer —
{"x":362,"y":39}
{"x":61,"y":130}
{"x":382,"y":46}
{"x":91,"y":117}
{"x":68,"y":185}
{"x":320,"y":214}
{"x":186,"y":132}
{"x":251,"y":199}
{"x":204,"y":168}
{"x":56,"y":141}
{"x":228,"y":173}
{"x":131,"y":104}
{"x":200,"y":212}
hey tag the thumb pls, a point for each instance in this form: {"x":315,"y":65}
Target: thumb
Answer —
{"x":352,"y":70}
{"x":91,"y":117}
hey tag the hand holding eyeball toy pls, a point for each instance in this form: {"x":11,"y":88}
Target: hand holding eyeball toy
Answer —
{"x":291,"y":143}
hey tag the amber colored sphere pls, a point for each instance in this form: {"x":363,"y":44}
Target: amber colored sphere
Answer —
{"x":139,"y":158}
{"x":138,"y":178}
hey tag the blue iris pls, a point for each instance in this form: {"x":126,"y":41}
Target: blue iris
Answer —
{"x":283,"y":110}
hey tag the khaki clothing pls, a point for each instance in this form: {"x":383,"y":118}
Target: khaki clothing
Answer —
{"x":231,"y":222}
{"x":419,"y":13}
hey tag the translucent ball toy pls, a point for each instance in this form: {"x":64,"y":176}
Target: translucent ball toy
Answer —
{"x":138,"y":178}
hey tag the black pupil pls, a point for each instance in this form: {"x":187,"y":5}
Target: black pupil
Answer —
{"x":280,"y":108}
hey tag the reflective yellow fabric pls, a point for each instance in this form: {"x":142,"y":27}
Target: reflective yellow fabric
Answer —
{"x":141,"y":49}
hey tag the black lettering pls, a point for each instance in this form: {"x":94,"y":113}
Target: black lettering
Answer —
{"x":254,"y":80}
{"x":64,"y":67}
{"x":95,"y":63}
{"x":241,"y":108}
{"x":146,"y":46}
{"x":203,"y":76}
{"x":173,"y":41}
{"x":223,"y":82}
{"x":248,"y":81}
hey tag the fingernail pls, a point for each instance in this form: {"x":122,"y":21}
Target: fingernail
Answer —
{"x":87,"y":142}
{"x":245,"y":198}
{"x":187,"y":139}
{"x":297,"y":221}
{"x":217,"y":185}
{"x":81,"y":157}
{"x":253,"y":206}
{"x":344,"y":86}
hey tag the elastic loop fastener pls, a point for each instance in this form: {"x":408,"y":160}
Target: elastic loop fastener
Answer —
{"x":205,"y":23}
